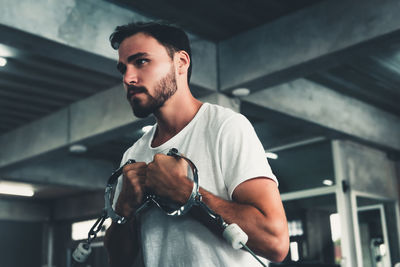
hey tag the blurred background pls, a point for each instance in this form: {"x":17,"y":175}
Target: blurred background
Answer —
{"x":318,"y":79}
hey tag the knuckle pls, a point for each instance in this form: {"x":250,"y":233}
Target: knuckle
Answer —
{"x":150,"y":167}
{"x":140,"y":164}
{"x":125,"y":168}
{"x":128,"y":173}
{"x":158,"y":156}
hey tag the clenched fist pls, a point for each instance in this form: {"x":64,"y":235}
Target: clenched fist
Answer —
{"x":166,"y":177}
{"x":133,"y":188}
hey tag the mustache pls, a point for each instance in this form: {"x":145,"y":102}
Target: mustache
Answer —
{"x":131,"y":90}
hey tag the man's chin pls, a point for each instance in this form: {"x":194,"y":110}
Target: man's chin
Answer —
{"x":141,"y":110}
{"x":141,"y":113}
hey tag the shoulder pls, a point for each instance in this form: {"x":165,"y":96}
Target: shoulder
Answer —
{"x":223,"y":123}
{"x":219,"y":111}
{"x":227,"y":120}
{"x":218,"y":116}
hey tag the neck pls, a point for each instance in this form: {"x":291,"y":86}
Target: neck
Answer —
{"x":174,"y":115}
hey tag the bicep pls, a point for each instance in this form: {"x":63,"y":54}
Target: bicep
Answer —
{"x":263,"y":194}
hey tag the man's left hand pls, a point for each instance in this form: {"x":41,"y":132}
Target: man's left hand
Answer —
{"x":167,"y":178}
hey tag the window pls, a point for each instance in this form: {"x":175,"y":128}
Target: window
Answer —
{"x":81,"y":229}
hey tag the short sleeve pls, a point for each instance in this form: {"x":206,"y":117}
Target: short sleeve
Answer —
{"x":242,"y":156}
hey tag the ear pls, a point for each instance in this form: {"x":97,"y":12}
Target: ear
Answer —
{"x":182,"y":62}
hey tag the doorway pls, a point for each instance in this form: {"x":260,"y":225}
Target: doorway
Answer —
{"x":373,"y":234}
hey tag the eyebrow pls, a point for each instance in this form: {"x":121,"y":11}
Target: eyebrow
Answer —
{"x":131,"y":58}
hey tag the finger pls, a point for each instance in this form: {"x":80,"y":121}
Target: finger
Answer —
{"x":136,"y":165}
{"x":159,"y":157}
{"x":183,"y":162}
{"x":134,"y":186}
{"x":136,"y":173}
{"x":150,"y":166}
{"x":139,"y":167}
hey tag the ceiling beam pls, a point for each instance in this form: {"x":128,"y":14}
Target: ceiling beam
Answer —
{"x":306,"y":41}
{"x":14,"y":84}
{"x":30,"y":153}
{"x":78,"y":172}
{"x":103,"y":116}
{"x":93,"y":116}
{"x":69,"y":31}
{"x":71,"y":22}
{"x":319,"y":105}
{"x":204,"y":59}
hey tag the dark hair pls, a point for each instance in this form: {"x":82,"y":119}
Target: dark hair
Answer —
{"x":172,"y":38}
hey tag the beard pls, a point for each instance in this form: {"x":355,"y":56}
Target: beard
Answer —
{"x":163,"y":90}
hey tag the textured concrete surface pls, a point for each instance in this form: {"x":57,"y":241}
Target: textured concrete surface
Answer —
{"x":87,"y":25}
{"x":100,"y":113}
{"x":369,"y":170}
{"x":35,"y":138}
{"x":31,"y":149}
{"x":62,"y":171}
{"x":298,"y":44}
{"x":82,"y":24}
{"x":312,"y":102}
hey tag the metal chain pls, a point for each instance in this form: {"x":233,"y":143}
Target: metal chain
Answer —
{"x":96,"y":227}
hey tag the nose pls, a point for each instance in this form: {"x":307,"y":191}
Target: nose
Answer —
{"x":130,"y":77}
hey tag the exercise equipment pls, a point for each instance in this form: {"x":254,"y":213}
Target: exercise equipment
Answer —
{"x":232,"y":233}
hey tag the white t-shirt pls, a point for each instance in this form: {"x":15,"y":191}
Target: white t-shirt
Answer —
{"x":226,"y":151}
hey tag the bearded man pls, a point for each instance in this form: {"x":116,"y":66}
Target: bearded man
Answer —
{"x":235,"y":178}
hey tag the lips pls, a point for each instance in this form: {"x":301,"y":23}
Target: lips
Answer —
{"x":133,"y":90}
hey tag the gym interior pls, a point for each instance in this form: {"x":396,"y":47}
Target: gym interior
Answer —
{"x":316,"y":78}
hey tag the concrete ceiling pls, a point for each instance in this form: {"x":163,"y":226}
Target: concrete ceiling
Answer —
{"x":42,"y":77}
{"x":216,"y":20}
{"x":314,"y":68}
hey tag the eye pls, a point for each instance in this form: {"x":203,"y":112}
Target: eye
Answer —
{"x":141,"y":61}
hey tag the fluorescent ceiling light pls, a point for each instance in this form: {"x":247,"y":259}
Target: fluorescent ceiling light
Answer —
{"x":6,"y":51}
{"x":3,"y":61}
{"x":147,"y":128}
{"x":327,"y":182}
{"x":16,"y":189}
{"x":240,"y":92}
{"x":77,"y":149}
{"x":271,"y":155}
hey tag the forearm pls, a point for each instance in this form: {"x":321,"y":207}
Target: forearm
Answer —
{"x":264,"y":230}
{"x":121,"y":243}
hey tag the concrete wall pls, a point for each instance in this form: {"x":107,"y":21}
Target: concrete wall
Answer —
{"x":369,"y":170}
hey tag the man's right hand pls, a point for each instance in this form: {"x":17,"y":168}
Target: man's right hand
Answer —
{"x":133,"y":188}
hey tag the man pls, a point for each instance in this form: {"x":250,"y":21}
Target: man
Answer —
{"x":235,"y":178}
